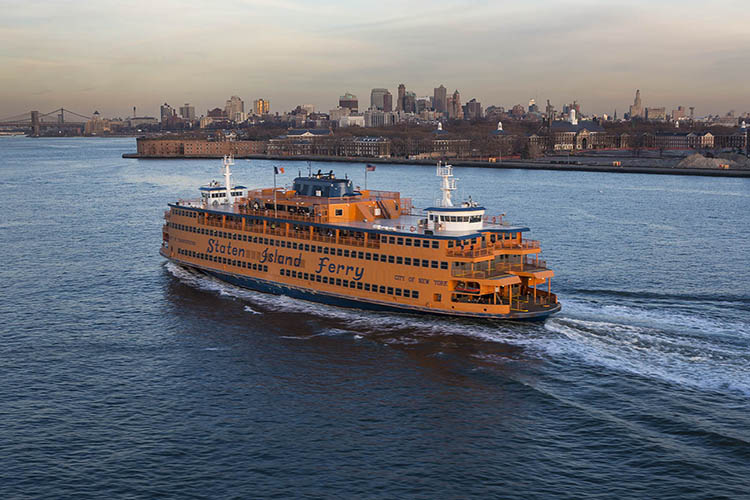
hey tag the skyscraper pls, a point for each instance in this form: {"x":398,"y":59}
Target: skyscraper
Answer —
{"x":454,"y":108}
{"x":636,"y":110}
{"x":440,"y":99}
{"x":377,"y":98}
{"x":350,"y":101}
{"x":234,"y":108}
{"x":167,"y":112}
{"x":261,"y":106}
{"x":187,"y":111}
{"x":400,"y":98}
{"x":387,"y":101}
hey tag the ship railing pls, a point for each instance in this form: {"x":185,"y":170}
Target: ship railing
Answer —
{"x":357,"y":242}
{"x":524,"y":244}
{"x":468,"y":252}
{"x":324,"y":238}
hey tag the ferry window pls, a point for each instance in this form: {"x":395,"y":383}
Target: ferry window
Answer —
{"x":325,"y":279}
{"x":346,"y":253}
{"x":367,"y":287}
{"x":415,"y":263}
{"x":265,"y":269}
{"x":383,"y":257}
{"x":307,"y":276}
{"x":283,"y":244}
{"x":425,"y":263}
{"x":265,"y":241}
{"x":255,"y":267}
{"x":325,"y":250}
{"x":223,"y":260}
{"x":346,"y":283}
{"x":278,"y":242}
{"x":234,"y":262}
{"x":360,"y":255}
{"x":338,"y":281}
{"x":352,"y":284}
{"x":436,"y":244}
{"x":390,"y":290}
{"x":443,"y":264}
{"x":399,"y":260}
{"x":294,"y":246}
{"x":434,"y":264}
{"x":450,"y":244}
{"x":339,"y":212}
{"x":407,"y":261}
{"x":400,"y":241}
{"x":390,"y":259}
{"x":414,"y":294}
{"x":382,"y":289}
{"x":437,"y":297}
{"x":307,"y":247}
{"x":317,"y":278}
{"x":359,"y":285}
{"x":368,"y":256}
{"x":408,"y":242}
{"x":398,"y":292}
{"x":281,"y":272}
{"x":432,"y":217}
{"x":407,"y":293}
{"x":294,"y":274}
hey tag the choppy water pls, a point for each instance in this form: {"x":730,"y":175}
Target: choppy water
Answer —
{"x":125,"y":377}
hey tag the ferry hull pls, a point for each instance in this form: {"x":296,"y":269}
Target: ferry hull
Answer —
{"x":275,"y":288}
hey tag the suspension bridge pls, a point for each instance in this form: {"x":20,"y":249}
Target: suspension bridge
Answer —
{"x":35,"y":122}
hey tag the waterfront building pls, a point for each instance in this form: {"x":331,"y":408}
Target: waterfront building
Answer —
{"x":350,"y":101}
{"x":187,"y":112}
{"x":96,"y":125}
{"x":370,"y":147}
{"x":261,"y":106}
{"x":175,"y":148}
{"x":575,"y":135}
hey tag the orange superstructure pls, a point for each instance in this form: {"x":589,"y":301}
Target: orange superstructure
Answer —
{"x":326,"y":242}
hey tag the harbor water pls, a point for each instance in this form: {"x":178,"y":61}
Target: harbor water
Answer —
{"x":127,"y":377}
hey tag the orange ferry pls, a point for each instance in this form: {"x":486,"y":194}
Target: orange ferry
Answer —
{"x":325,"y":241}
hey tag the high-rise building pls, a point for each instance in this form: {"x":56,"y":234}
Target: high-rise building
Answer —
{"x":473,"y":110}
{"x":377,"y":97}
{"x":167,"y":112}
{"x":533,"y":108}
{"x":234,"y":108}
{"x":454,"y":106}
{"x":656,"y":114}
{"x":636,"y":110}
{"x":440,"y":99}
{"x":409,"y":103}
{"x":400,"y":97}
{"x":187,"y":112}
{"x":350,"y":101}
{"x":261,"y":106}
{"x":679,"y":113}
{"x":388,"y":102}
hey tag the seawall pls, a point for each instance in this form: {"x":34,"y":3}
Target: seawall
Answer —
{"x":508,"y":164}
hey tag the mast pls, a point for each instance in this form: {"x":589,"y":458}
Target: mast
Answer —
{"x":447,"y":185}
{"x":228,"y":161}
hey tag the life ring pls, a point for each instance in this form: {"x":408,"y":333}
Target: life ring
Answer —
{"x":412,"y":229}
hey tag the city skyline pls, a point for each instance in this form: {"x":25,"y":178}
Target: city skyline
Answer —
{"x":111,"y":57}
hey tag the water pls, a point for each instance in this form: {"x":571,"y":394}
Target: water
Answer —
{"x":125,"y":377}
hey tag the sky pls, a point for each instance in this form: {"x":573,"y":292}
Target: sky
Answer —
{"x":112,"y":55}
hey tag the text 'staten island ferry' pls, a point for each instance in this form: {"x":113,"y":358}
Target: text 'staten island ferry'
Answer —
{"x":324,"y":241}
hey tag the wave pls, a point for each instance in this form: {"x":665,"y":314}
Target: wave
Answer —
{"x":684,"y":349}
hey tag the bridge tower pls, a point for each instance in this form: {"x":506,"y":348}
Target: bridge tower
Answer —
{"x":61,"y":117}
{"x":35,"y":124}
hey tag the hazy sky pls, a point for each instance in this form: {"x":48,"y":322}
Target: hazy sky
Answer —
{"x":112,"y":55}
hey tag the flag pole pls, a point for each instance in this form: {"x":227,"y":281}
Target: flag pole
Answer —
{"x":275,"y":212}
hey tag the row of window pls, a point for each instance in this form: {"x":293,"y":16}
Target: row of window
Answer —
{"x":456,"y":218}
{"x":367,"y":287}
{"x":393,"y":240}
{"x":223,"y":260}
{"x":354,"y":254}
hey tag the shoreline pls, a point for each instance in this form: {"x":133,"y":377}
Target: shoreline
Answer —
{"x":508,"y":164}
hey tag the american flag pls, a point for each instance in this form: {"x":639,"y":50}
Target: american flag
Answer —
{"x":370,"y":168}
